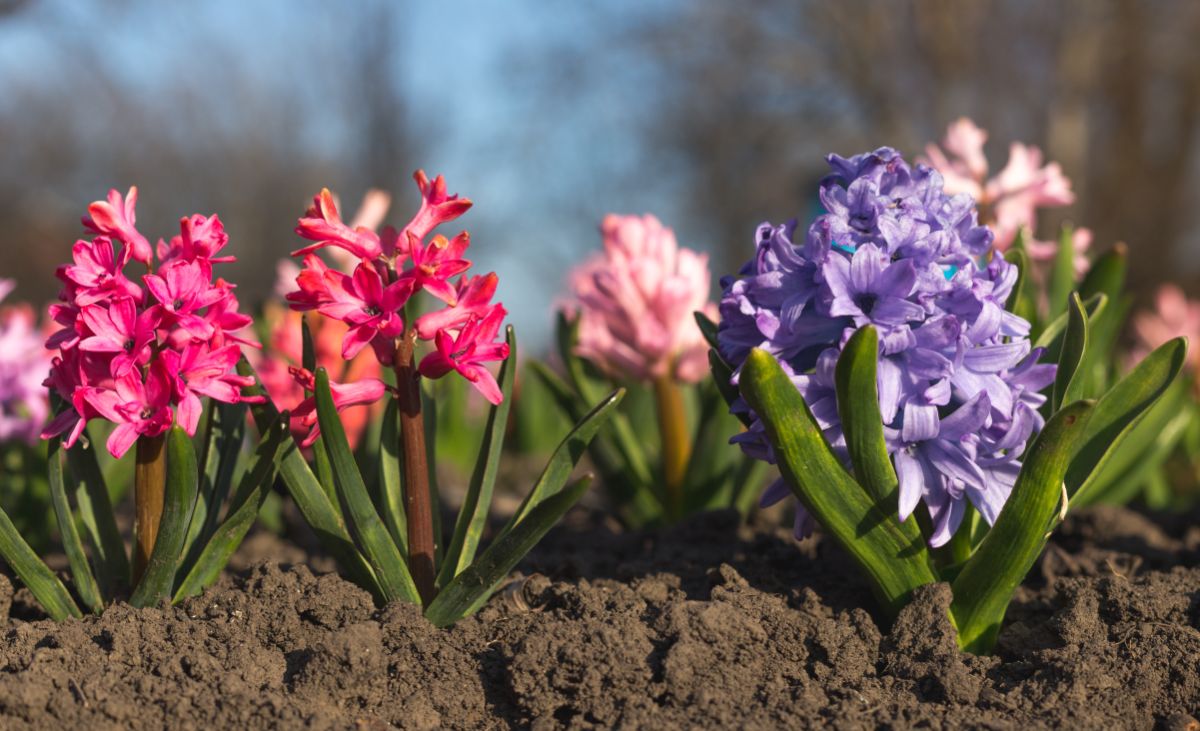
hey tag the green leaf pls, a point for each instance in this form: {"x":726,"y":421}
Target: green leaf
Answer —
{"x":1020,"y":301}
{"x":243,"y":509}
{"x":225,"y":434}
{"x":894,"y":562}
{"x":723,"y":377}
{"x":311,"y":498}
{"x":709,"y":482}
{"x":985,"y":586}
{"x":96,"y":513}
{"x":34,"y":573}
{"x":1068,"y":380}
{"x":178,"y":503}
{"x":858,"y":409}
{"x":429,"y":420}
{"x":1062,"y":275}
{"x":470,"y":589}
{"x":394,"y":516}
{"x":1052,"y":335}
{"x":564,"y":459}
{"x":624,"y":439}
{"x":708,"y":329}
{"x":1117,"y":410}
{"x":1151,"y":439}
{"x":472,"y":517}
{"x":1106,"y":275}
{"x":81,"y":572}
{"x":379,"y":548}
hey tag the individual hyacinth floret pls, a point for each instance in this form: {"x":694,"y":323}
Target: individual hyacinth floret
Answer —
{"x":959,"y":386}
{"x":393,"y":266}
{"x":141,"y":351}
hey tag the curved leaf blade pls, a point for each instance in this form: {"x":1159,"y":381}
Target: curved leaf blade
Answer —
{"x":1116,"y":412}
{"x":81,"y":571}
{"x":380,"y":550}
{"x":471,"y":589}
{"x":96,"y":512}
{"x":228,"y":535}
{"x":472,"y":517}
{"x":894,"y":563}
{"x":985,"y":586}
{"x":310,"y":496}
{"x":34,"y":573}
{"x":558,"y":469}
{"x":1069,"y":378}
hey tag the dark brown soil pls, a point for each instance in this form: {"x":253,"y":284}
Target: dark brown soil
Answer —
{"x":707,"y":626}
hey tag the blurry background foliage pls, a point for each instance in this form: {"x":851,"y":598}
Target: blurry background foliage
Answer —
{"x":713,"y":115}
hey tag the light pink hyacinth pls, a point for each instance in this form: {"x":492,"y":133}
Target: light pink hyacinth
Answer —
{"x":635,"y":303}
{"x":1009,"y":201}
{"x":1174,"y":316}
{"x":24,"y":405}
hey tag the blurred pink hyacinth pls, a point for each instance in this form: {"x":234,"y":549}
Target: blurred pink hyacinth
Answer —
{"x":1174,"y":315}
{"x":1009,"y":201}
{"x":635,"y":303}
{"x":24,"y":364}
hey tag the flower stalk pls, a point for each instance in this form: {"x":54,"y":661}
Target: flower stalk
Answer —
{"x":676,"y":442}
{"x":417,"y":503}
{"x":149,"y":488}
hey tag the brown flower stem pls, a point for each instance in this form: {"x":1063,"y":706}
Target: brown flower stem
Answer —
{"x":676,"y":444}
{"x":149,"y":484}
{"x":417,"y":504}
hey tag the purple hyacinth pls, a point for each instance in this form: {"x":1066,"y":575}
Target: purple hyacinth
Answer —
{"x":959,"y":385}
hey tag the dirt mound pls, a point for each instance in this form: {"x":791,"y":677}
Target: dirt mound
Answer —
{"x":710,"y":625}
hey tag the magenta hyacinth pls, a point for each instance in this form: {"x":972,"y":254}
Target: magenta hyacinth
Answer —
{"x":636,"y":302}
{"x":142,"y":353}
{"x":393,"y":266}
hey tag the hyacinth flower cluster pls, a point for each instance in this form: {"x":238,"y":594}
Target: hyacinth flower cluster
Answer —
{"x":875,"y":358}
{"x":630,"y":320}
{"x":407,"y":299}
{"x":144,"y":336}
{"x":24,"y":364}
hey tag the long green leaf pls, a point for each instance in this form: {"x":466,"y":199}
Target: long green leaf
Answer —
{"x":985,"y":586}
{"x":858,"y":409}
{"x":1062,"y":276}
{"x":895,"y":563}
{"x":81,"y":572}
{"x":1052,"y":335}
{"x":34,"y":573}
{"x":99,"y":520}
{"x":470,"y":589}
{"x":1020,"y":301}
{"x":311,"y":498}
{"x":564,"y":459}
{"x":178,"y":503}
{"x":429,"y":411}
{"x":472,"y":517}
{"x":394,"y":515}
{"x":379,"y":548}
{"x":243,"y":509}
{"x":1118,"y":409}
{"x":623,"y":436}
{"x":1107,"y":274}
{"x":708,"y":328}
{"x":1068,"y":379}
{"x":223,"y":445}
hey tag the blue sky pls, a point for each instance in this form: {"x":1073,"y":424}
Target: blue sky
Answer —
{"x":541,"y":177}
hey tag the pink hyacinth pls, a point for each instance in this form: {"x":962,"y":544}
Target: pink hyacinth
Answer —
{"x":636,"y":303}
{"x":141,"y":353}
{"x":23,"y":367}
{"x":389,"y":268}
{"x":284,"y":352}
{"x":1009,"y":201}
{"x":1174,"y":315}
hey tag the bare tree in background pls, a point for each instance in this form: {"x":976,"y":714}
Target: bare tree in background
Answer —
{"x":217,"y":137}
{"x":749,"y":96}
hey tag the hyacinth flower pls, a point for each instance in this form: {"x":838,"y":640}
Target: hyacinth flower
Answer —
{"x":145,"y":338}
{"x":875,"y":357}
{"x":388,"y":539}
{"x":630,"y":319}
